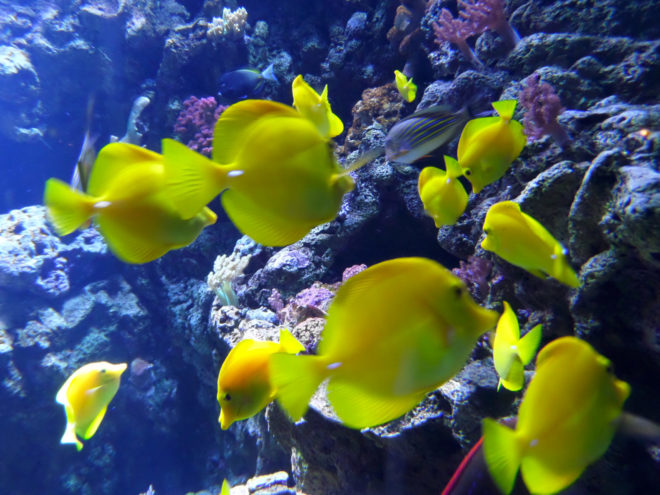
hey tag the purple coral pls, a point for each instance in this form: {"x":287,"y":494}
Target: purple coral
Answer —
{"x":456,"y":31}
{"x":196,"y":121}
{"x":542,"y":107}
{"x":475,"y":275}
{"x":489,"y":14}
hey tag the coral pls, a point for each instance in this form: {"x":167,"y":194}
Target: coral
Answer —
{"x":308,"y":303}
{"x":352,"y":271}
{"x":456,"y":31}
{"x":406,"y":34}
{"x":475,"y":275}
{"x":225,"y":270}
{"x":196,"y":121}
{"x":231,"y":25}
{"x":542,"y":107}
{"x":133,"y":134}
{"x":489,"y":14}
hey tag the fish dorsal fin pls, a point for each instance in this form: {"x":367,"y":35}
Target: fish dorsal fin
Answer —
{"x":428,"y":174}
{"x":289,"y":343}
{"x":230,"y":130}
{"x":563,"y":345}
{"x":126,"y":246}
{"x":357,"y":408}
{"x":505,"y":108}
{"x":112,"y":160}
{"x":453,"y":169}
{"x":259,"y":223}
{"x":94,"y":425}
{"x":470,"y":131}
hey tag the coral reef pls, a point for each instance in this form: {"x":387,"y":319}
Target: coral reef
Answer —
{"x":196,"y":121}
{"x":230,"y":26}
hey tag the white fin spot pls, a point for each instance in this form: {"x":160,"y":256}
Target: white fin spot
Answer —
{"x":334,"y":366}
{"x":554,"y":257}
{"x":102,"y":204}
{"x":235,"y":173}
{"x":534,"y":442}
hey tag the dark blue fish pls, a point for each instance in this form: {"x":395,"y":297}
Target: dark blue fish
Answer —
{"x":422,"y":132}
{"x":244,"y":83}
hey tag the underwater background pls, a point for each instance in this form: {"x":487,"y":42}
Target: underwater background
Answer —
{"x":152,"y":69}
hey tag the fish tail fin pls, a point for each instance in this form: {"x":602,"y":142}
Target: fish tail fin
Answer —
{"x":192,"y":180}
{"x":68,"y":209}
{"x":452,"y":167}
{"x":529,"y":344}
{"x":562,"y":269}
{"x":295,"y":379}
{"x":505,"y":108}
{"x":70,"y":436}
{"x":269,"y":73}
{"x":362,"y":160}
{"x":502,"y":453}
{"x":289,"y":343}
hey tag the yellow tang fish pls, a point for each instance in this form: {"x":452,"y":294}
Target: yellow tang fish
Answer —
{"x":126,"y":198}
{"x":85,"y":397}
{"x":524,"y":242}
{"x":407,"y":88}
{"x":316,"y":108}
{"x":244,"y":386}
{"x":394,"y":332}
{"x":281,"y":177}
{"x":226,"y":489}
{"x":489,"y":145}
{"x":510,"y":352}
{"x":442,"y":194}
{"x":566,"y":421}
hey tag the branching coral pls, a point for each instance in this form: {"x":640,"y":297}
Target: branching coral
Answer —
{"x":225,"y":270}
{"x":542,"y":107}
{"x":231,"y":25}
{"x":475,"y":17}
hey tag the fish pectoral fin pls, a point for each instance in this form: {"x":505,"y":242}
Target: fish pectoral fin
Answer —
{"x":94,"y":425}
{"x":357,"y":408}
{"x":261,"y":224}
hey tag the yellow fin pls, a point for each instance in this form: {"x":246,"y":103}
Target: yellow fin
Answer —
{"x":260,"y":224}
{"x":358,"y":408}
{"x":453,"y":169}
{"x":127,"y":247}
{"x":295,"y":379}
{"x":289,"y":343}
{"x":230,"y":130}
{"x":541,"y":478}
{"x":192,"y":179}
{"x":94,"y":425}
{"x":471,"y":129}
{"x":70,"y":435}
{"x":427,"y":174}
{"x":68,"y":209}
{"x":316,"y":108}
{"x":505,"y":108}
{"x":225,"y":488}
{"x":112,"y":160}
{"x":502,"y":454}
{"x":529,"y":344}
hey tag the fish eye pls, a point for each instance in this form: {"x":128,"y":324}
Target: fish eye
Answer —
{"x":458,"y":291}
{"x":468,"y":172}
{"x":227,"y":397}
{"x":486,"y":231}
{"x":103,"y":370}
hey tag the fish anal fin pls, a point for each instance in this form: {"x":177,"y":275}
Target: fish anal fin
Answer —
{"x":94,"y":425}
{"x":540,"y":477}
{"x":128,"y":247}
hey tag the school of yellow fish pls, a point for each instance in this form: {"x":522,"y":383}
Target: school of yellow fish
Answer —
{"x":394,"y":332}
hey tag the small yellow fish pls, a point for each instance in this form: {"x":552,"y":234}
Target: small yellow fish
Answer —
{"x":85,"y":397}
{"x":244,"y":386}
{"x":281,"y":177}
{"x":225,"y":490}
{"x":316,"y":108}
{"x":442,"y":194}
{"x":566,"y":421}
{"x":125,"y":195}
{"x":510,"y":352}
{"x":407,"y":88}
{"x":524,"y":242}
{"x":489,"y":145}
{"x":394,"y":332}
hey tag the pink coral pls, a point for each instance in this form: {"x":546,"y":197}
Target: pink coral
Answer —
{"x":489,"y":14}
{"x":456,"y":31}
{"x":542,"y":107}
{"x":196,"y":121}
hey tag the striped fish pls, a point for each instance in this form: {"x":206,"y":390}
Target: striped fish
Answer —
{"x":422,"y":132}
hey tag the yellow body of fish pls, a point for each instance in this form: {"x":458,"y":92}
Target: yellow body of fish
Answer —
{"x":394,"y":332}
{"x":442,"y":194}
{"x":316,"y":108}
{"x":244,"y":386}
{"x":489,"y":145}
{"x":566,"y":421}
{"x":524,"y":242}
{"x":407,"y":88}
{"x":510,"y":352}
{"x":279,"y":171}
{"x":85,"y":397}
{"x":126,"y":198}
